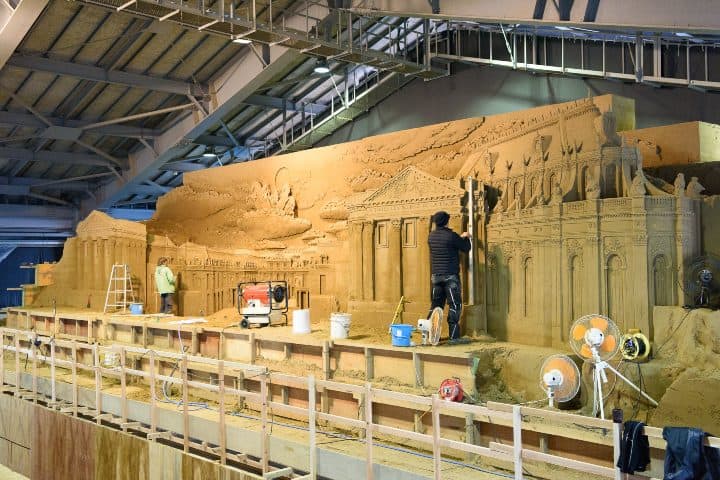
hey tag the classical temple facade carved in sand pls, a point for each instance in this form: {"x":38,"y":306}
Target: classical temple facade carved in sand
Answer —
{"x":567,"y":223}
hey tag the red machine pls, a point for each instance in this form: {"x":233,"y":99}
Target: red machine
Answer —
{"x":451,"y":390}
{"x":263,"y":303}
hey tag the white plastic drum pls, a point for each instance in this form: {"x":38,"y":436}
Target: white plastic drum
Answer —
{"x":339,"y":325}
{"x":301,"y":321}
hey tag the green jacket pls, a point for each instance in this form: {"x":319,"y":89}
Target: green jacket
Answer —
{"x":164,"y":279}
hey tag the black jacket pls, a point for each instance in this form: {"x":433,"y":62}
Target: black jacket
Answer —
{"x":634,"y":449}
{"x":444,"y":247}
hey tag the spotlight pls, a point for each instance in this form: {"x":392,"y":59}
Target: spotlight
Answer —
{"x":208,"y":154}
{"x":322,"y":67}
{"x":242,"y":41}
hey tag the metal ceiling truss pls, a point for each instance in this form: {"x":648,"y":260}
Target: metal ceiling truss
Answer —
{"x":291,"y":31}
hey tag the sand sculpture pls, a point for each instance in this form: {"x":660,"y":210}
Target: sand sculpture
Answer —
{"x":567,"y":223}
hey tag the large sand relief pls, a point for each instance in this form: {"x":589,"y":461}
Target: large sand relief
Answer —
{"x":567,"y":223}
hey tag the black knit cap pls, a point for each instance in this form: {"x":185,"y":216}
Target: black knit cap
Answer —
{"x":441,"y":218}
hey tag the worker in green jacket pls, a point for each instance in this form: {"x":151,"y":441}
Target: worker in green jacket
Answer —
{"x":165,"y":282}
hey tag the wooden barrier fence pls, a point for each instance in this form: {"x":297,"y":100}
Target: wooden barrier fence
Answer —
{"x":514,"y":416}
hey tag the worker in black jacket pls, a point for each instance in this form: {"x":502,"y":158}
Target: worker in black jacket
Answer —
{"x":445,"y":246}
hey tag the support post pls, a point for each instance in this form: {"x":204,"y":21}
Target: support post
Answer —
{"x":240,"y":385}
{"x":264,"y":435}
{"x":98,"y":382}
{"x":437,"y":455}
{"x":194,"y":342}
{"x":312,"y":427}
{"x":53,"y":395}
{"x":369,"y":364}
{"x":418,"y":367}
{"x":221,"y":412}
{"x":153,"y":394}
{"x":33,"y":350}
{"x":470,"y":433}
{"x":326,"y":359}
{"x":517,"y":441}
{"x":74,"y":379}
{"x":17,"y":363}
{"x":2,"y":360}
{"x":186,"y":411}
{"x":617,"y":437}
{"x":251,"y":342}
{"x":368,"y":432}
{"x":123,"y":388}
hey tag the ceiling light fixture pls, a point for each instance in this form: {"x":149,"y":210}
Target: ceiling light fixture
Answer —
{"x":208,"y":154}
{"x":242,"y":41}
{"x":322,"y":67}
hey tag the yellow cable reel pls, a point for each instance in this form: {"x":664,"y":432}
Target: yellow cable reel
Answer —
{"x":635,"y":346}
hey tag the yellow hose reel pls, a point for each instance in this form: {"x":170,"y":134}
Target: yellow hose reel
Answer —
{"x":635,"y":346}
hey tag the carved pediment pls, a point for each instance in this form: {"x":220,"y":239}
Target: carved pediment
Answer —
{"x":413,"y":186}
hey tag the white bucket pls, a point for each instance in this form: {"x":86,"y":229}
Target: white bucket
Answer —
{"x":301,"y":321}
{"x":339,"y":325}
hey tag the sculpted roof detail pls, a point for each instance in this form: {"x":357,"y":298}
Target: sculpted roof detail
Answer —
{"x":413,"y":185}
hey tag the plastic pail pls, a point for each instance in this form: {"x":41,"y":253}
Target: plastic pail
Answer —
{"x":339,"y":325}
{"x":136,"y":308}
{"x":400,"y":334}
{"x":301,"y":321}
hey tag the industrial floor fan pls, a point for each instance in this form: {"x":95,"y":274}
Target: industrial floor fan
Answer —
{"x":560,"y":379}
{"x":431,"y":328}
{"x":596,"y":339}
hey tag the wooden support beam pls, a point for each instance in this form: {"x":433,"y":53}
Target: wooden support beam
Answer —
{"x":123,"y":388}
{"x":436,"y":437}
{"x":326,"y":359}
{"x":98,"y":380}
{"x":264,"y":438}
{"x":369,"y":471}
{"x":369,"y":364}
{"x":251,"y":345}
{"x":153,"y":394}
{"x":418,"y":366}
{"x":517,"y":441}
{"x":185,"y":407}
{"x":221,"y":412}
{"x":312,"y":424}
{"x":194,"y":342}
{"x":74,"y":379}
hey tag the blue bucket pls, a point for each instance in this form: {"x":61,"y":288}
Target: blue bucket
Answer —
{"x":136,"y":309}
{"x":400,"y":334}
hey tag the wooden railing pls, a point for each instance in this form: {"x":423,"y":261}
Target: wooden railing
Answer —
{"x":517,"y":417}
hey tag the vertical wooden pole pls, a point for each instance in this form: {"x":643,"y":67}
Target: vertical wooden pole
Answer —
{"x":369,"y":364}
{"x":251,"y":342}
{"x":368,"y":432}
{"x":221,"y":411}
{"x":17,"y":362}
{"x":617,"y":437}
{"x":186,"y":412}
{"x":263,"y":413}
{"x":326,"y":359}
{"x":98,"y":382}
{"x":33,"y":350}
{"x":74,"y":379}
{"x":2,"y":359}
{"x":517,"y":441}
{"x":437,"y":455}
{"x":153,"y":394}
{"x":470,"y":433}
{"x":53,"y":392}
{"x":123,"y":388}
{"x":418,"y":367}
{"x":312,"y":412}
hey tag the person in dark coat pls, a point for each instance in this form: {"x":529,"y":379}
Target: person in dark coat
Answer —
{"x":445,"y":247}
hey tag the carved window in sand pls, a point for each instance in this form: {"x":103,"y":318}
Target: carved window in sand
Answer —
{"x":528,"y":294}
{"x":381,"y":234}
{"x":662,"y":281}
{"x":409,"y":233}
{"x":493,"y":279}
{"x":509,"y":283}
{"x":615,"y":286}
{"x":575,"y":283}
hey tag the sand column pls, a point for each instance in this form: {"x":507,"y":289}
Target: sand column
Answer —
{"x":424,"y":257}
{"x":368,"y":260}
{"x":356,"y":270}
{"x":394,"y":244}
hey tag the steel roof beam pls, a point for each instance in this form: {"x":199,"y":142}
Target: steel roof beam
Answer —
{"x":22,"y":155}
{"x":284,"y":104}
{"x":15,"y":24}
{"x":97,"y":74}
{"x":232,"y":87}
{"x":41,"y":184}
{"x":16,"y":119}
{"x":183,"y":167}
{"x":699,"y":16}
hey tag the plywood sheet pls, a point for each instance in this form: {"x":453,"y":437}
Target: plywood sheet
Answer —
{"x":121,"y":456}
{"x":62,"y":448}
{"x":16,"y":420}
{"x":196,"y":468}
{"x":165,"y":462}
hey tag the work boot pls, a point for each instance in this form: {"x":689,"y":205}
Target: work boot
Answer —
{"x":458,"y":341}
